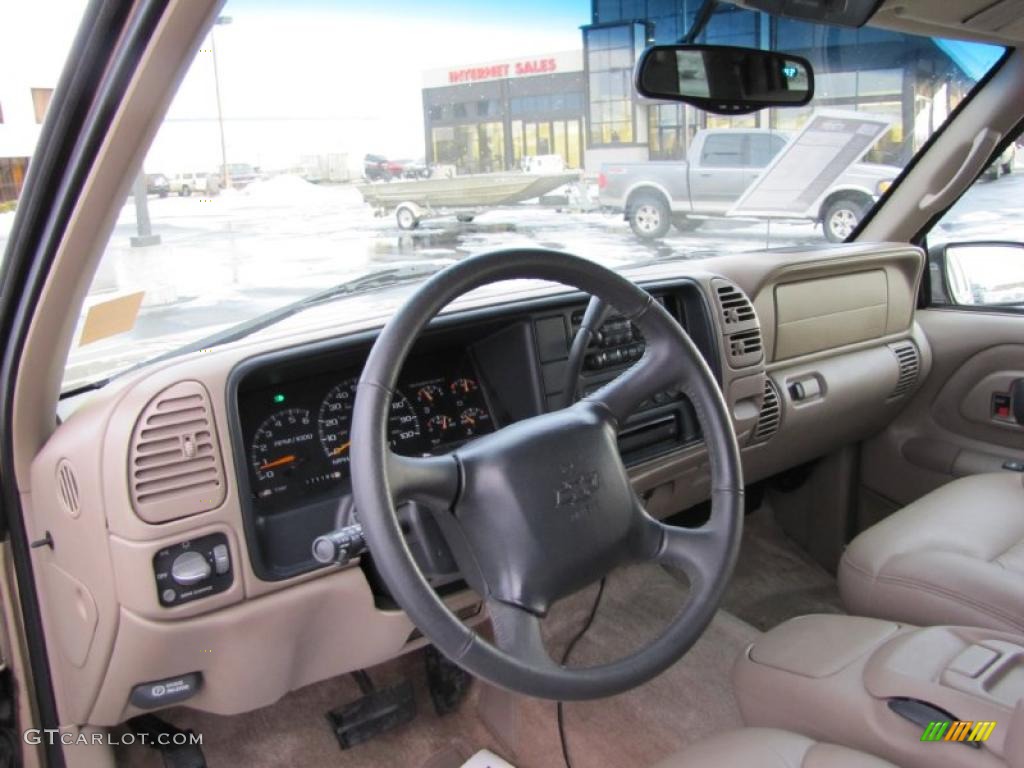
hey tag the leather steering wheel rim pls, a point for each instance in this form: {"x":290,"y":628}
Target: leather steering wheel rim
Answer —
{"x":511,"y":503}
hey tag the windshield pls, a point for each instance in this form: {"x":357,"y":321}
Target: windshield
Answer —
{"x":313,"y":143}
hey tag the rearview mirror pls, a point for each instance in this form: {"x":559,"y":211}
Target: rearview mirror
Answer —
{"x":724,"y":79}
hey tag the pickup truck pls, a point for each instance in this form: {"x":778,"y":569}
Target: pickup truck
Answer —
{"x":720,"y":166}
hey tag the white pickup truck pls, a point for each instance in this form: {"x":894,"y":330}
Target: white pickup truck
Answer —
{"x":721,"y":165}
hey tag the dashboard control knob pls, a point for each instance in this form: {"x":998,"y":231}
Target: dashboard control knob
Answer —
{"x":339,"y":546}
{"x":221,"y":559}
{"x":190,"y":568}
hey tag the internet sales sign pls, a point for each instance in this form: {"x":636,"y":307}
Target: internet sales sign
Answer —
{"x":499,"y":71}
{"x":569,"y":61}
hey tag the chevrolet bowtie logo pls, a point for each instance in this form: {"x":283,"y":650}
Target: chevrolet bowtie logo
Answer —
{"x":576,"y":489}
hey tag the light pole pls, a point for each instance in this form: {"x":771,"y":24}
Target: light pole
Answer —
{"x":220,"y":21}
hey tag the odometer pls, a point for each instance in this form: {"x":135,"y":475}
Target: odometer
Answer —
{"x":335,"y":424}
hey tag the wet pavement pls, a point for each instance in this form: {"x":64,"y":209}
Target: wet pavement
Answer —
{"x":246,"y":252}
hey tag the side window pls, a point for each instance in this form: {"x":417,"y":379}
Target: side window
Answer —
{"x":976,"y":250}
{"x":723,"y":150}
{"x":762,"y":147}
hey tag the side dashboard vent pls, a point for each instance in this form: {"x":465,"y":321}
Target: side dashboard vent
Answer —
{"x":733,"y":304}
{"x":174,"y":466}
{"x":909,"y":361}
{"x":745,"y":343}
{"x":67,"y":488}
{"x":740,"y":327}
{"x":770,"y":418}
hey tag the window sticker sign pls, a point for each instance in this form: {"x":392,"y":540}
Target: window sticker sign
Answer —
{"x":816,"y":161}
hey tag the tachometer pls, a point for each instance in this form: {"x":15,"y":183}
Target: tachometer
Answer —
{"x":282,"y":443}
{"x":335,"y":424}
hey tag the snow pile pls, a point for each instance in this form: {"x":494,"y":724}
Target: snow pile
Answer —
{"x":283,"y":190}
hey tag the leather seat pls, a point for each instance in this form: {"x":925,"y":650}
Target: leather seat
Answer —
{"x":955,"y":556}
{"x":768,"y":748}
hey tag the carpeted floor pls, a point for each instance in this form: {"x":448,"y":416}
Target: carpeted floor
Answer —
{"x":775,"y":579}
{"x":689,"y":701}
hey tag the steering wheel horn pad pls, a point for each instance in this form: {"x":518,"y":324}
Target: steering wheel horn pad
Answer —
{"x":546,"y":505}
{"x":543,"y":507}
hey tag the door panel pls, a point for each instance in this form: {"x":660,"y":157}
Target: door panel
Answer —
{"x":948,"y":429}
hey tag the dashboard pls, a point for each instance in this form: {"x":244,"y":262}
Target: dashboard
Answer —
{"x":208,"y":478}
{"x":294,"y":414}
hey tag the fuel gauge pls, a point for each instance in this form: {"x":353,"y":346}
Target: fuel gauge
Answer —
{"x":430,"y":394}
{"x":463,"y":386}
{"x":475,"y":420}
{"x":441,"y":425}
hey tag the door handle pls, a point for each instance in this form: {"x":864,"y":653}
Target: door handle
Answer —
{"x":1017,"y":401}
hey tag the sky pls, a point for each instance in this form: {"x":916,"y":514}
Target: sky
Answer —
{"x":304,"y":77}
{"x":320,"y":77}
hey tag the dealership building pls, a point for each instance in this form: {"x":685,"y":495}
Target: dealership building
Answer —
{"x":488,"y":116}
{"x":582,"y":105}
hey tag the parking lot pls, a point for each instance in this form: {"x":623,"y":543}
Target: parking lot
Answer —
{"x":221,"y":260}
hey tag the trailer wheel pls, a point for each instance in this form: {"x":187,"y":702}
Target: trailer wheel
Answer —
{"x":649,"y":216}
{"x":406,"y":218}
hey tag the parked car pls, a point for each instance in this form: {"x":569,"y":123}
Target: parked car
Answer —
{"x":415,"y":169}
{"x":655,"y":195}
{"x":241,"y":175}
{"x":157,"y":184}
{"x":184,"y":184}
{"x":379,"y":168}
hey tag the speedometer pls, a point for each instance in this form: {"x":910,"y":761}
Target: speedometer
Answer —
{"x":335,"y":424}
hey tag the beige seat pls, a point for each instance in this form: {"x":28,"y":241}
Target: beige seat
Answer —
{"x":955,"y":556}
{"x":768,"y":748}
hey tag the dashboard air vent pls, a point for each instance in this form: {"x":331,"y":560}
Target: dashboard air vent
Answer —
{"x":175,"y":467}
{"x":733,"y":304}
{"x":740,"y":327}
{"x":770,"y":418}
{"x":909,"y":361}
{"x":67,"y":488}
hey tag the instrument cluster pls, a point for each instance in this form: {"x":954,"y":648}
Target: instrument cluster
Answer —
{"x":299,"y":433}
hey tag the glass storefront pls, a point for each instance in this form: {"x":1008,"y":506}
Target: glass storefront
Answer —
{"x":496,"y":123}
{"x":552,"y":137}
{"x":610,"y":54}
{"x":478,"y":148}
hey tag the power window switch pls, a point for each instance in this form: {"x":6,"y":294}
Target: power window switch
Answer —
{"x":221,"y":559}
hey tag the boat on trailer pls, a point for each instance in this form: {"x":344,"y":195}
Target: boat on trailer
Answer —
{"x":461,"y":196}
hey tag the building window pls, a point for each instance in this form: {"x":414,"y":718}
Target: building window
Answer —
{"x":41,"y":102}
{"x":476,"y":148}
{"x":610,"y":59}
{"x":12,"y":177}
{"x":666,"y":132}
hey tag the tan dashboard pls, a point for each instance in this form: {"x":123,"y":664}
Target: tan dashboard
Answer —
{"x":814,"y":350}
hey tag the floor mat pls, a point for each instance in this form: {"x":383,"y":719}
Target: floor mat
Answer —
{"x":687,"y":702}
{"x":775,"y":579}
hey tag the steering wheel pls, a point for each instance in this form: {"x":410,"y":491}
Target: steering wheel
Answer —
{"x":544,"y":507}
